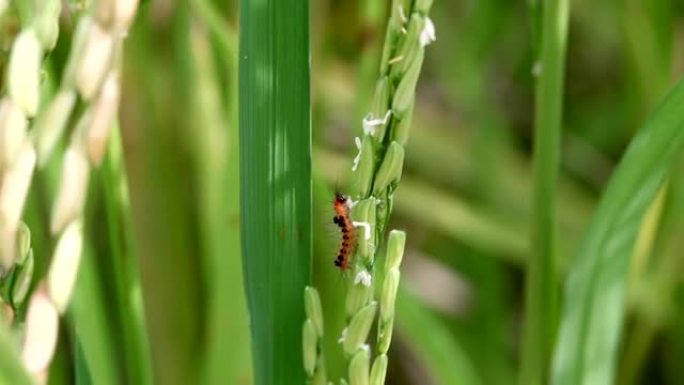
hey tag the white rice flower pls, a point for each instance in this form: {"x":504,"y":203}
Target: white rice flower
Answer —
{"x":366,"y":226}
{"x":363,"y":277}
{"x":370,"y":123}
{"x":357,"y":140}
{"x":42,"y":325}
{"x":428,"y":34}
{"x":61,"y":278}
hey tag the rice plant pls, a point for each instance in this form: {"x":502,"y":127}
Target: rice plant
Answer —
{"x":341,"y":192}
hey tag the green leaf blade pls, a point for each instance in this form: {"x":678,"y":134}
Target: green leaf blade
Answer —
{"x":275,"y":164}
{"x":594,"y":292}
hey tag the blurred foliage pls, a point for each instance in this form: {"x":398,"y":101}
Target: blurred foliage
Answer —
{"x":465,"y":200}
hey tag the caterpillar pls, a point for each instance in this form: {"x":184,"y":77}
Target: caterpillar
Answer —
{"x":343,"y":220}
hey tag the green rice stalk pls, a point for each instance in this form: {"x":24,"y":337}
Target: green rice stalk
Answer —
{"x":379,"y":166}
{"x":38,"y":34}
{"x":372,"y":14}
{"x":17,"y":162}
{"x":90,"y":73}
{"x":377,"y":170}
{"x":541,"y":274}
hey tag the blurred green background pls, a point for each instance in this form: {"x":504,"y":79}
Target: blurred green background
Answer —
{"x":465,"y":199}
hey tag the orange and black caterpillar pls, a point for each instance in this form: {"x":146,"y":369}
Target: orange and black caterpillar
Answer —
{"x":342,"y":219}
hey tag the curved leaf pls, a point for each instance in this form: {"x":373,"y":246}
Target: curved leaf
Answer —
{"x":594,"y":291}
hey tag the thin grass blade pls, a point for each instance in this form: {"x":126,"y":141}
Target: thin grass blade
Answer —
{"x":541,"y":293}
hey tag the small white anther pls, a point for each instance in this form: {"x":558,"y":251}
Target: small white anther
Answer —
{"x":366,"y":226}
{"x":343,"y":336}
{"x":537,"y":69}
{"x":402,"y":15}
{"x":363,"y":277}
{"x":396,"y":59}
{"x":355,"y":165}
{"x":370,"y":123}
{"x":428,"y":34}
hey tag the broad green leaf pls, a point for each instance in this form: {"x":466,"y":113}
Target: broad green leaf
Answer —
{"x":275,"y":173}
{"x":594,"y":292}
